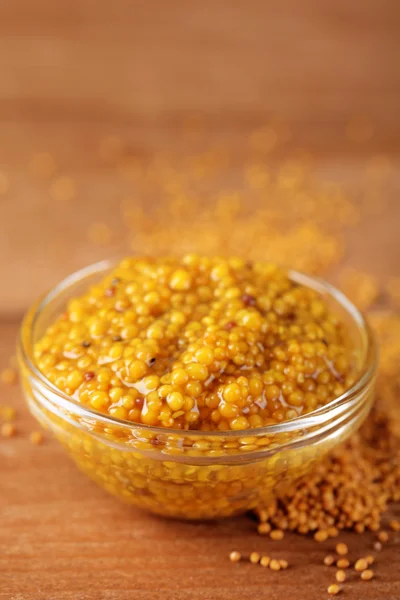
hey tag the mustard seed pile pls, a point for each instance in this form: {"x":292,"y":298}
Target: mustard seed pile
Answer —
{"x":198,"y":343}
{"x":349,"y":489}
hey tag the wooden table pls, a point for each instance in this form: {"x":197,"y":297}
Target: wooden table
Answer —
{"x":73,"y":73}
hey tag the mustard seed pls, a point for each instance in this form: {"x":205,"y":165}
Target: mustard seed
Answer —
{"x":329,"y":560}
{"x":8,"y":430}
{"x":235,"y":556}
{"x":333,"y":589}
{"x":342,"y":549}
{"x":395,"y":525}
{"x":264,"y":561}
{"x":277,"y":534}
{"x":340,"y":576}
{"x":254,"y":558}
{"x":36,"y":437}
{"x":367,"y":575}
{"x":383,"y":536}
{"x":343,"y":563}
{"x":275,"y":565}
{"x":361,"y":564}
{"x":264,"y":528}
{"x":321,"y":535}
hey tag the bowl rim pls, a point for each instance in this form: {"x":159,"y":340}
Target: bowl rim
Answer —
{"x":303,"y":422}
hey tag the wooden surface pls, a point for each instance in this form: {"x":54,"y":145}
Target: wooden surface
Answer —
{"x":72,"y":73}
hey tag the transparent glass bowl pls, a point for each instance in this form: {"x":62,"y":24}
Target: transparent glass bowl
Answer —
{"x":193,"y":474}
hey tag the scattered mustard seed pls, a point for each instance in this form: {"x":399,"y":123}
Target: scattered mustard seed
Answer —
{"x":361,"y":564}
{"x":36,"y":437}
{"x":333,"y":589}
{"x":265,"y":560}
{"x":277,"y":535}
{"x":340,"y":576}
{"x":284,"y":563}
{"x":264,"y":528}
{"x":333,"y":532}
{"x":367,"y":575}
{"x":321,"y":535}
{"x":329,"y":560}
{"x":343,"y":563}
{"x":383,"y":536}
{"x":275,"y":565}
{"x":8,"y":430}
{"x":235,"y":556}
{"x":342,"y":549}
{"x":395,"y":525}
{"x":254,"y":558}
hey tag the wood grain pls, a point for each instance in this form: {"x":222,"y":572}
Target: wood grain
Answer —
{"x":72,"y":73}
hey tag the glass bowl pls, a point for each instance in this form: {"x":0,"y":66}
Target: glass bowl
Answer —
{"x":194,"y":474}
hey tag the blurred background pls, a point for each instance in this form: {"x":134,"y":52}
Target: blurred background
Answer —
{"x":262,"y":129}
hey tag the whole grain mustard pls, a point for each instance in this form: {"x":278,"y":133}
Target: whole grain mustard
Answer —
{"x":181,"y":362}
{"x":198,"y":343}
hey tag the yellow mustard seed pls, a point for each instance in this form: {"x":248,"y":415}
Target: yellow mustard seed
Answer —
{"x":36,"y":437}
{"x":284,"y":563}
{"x":265,"y":561}
{"x":370,"y":559}
{"x":333,"y":532}
{"x":255,"y":558}
{"x":340,"y":576}
{"x":180,"y":280}
{"x":361,"y":564}
{"x":367,"y":575}
{"x":275,"y":565}
{"x":383,"y":536}
{"x":277,"y":534}
{"x":235,"y":556}
{"x":343,"y":563}
{"x":264,"y":528}
{"x":8,"y":429}
{"x":321,"y":535}
{"x":342,"y":549}
{"x":333,"y":589}
{"x":175,"y":401}
{"x":395,"y":525}
{"x":329,"y":560}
